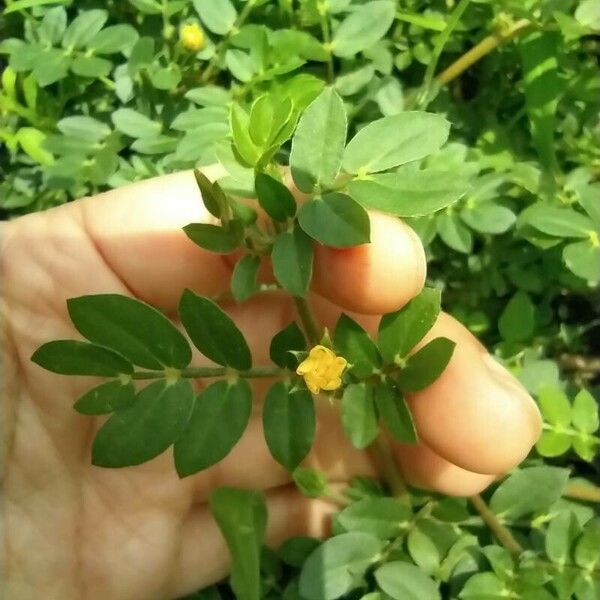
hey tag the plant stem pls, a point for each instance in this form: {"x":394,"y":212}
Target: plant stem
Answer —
{"x":309,"y":322}
{"x":382,"y":453}
{"x":198,"y":372}
{"x":222,"y":45}
{"x":326,"y":33}
{"x":491,"y":520}
{"x":578,"y":491}
{"x":484,"y":47}
{"x":425,"y":91}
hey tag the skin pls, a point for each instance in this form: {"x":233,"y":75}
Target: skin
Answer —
{"x":73,"y":531}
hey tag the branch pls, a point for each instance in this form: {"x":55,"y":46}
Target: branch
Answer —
{"x":491,"y":520}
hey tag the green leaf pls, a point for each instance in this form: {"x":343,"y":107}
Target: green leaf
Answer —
{"x":423,"y":551}
{"x":560,"y":535}
{"x":555,"y":406}
{"x":294,"y":551}
{"x":394,"y":411}
{"x":32,"y":140}
{"x":335,"y":220}
{"x":213,"y":332}
{"x":161,"y":144}
{"x":242,"y":519}
{"x":586,"y":550}
{"x":359,"y":416}
{"x":409,"y":193}
{"x":395,"y":140}
{"x":583,"y":259}
{"x":218,"y":15}
{"x":244,"y":277}
{"x":106,"y":398}
{"x":484,"y":586}
{"x":517,"y":321}
{"x":385,"y":518}
{"x":584,"y":413}
{"x":559,"y":222}
{"x":501,"y":562}
{"x":208,"y":95}
{"x":354,"y":344}
{"x":25,"y":4}
{"x":213,"y":196}
{"x":528,"y":491}
{"x":289,"y":424}
{"x":135,"y":124}
{"x":401,"y":331}
{"x":310,"y":482}
{"x":403,"y":581}
{"x":135,"y":329}
{"x":145,"y":429}
{"x":206,"y":440}
{"x":363,"y":27}
{"x":453,"y":233}
{"x":318,"y":143}
{"x":239,"y":123}
{"x":113,"y":39}
{"x":292,"y":258}
{"x":553,"y":443}
{"x":91,"y":66}
{"x":289,"y":339}
{"x":86,"y":128}
{"x":70,"y":357}
{"x":274,"y":198}
{"x":212,"y":237}
{"x":543,"y":89}
{"x":489,"y":218}
{"x":51,"y":65}
{"x":53,"y":26}
{"x":83,"y":28}
{"x":426,"y":365}
{"x":337,"y":565}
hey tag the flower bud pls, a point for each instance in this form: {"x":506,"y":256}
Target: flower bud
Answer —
{"x":192,"y":37}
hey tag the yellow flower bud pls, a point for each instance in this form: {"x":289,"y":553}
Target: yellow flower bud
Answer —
{"x":322,"y":369}
{"x":192,"y":37}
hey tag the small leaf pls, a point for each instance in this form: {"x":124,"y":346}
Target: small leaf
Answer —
{"x":135,"y":124}
{"x":337,"y":565}
{"x":396,"y":140}
{"x":359,"y":416}
{"x":394,"y":411}
{"x":517,"y":321}
{"x":489,"y":218}
{"x":404,"y":581}
{"x":83,"y":28}
{"x":292,"y":258}
{"x":85,"y":128}
{"x":218,"y":15}
{"x":423,"y":551}
{"x":586,"y":550}
{"x":71,"y":357}
{"x":584,"y":412}
{"x":335,"y":220}
{"x":529,"y":490}
{"x":213,"y":332}
{"x":409,"y":193}
{"x":206,"y":440}
{"x":583,"y":259}
{"x":136,"y":330}
{"x":363,"y":27}
{"x":116,"y":38}
{"x":311,"y":482}
{"x":558,"y":222}
{"x":401,"y":331}
{"x":294,"y":551}
{"x":555,"y":406}
{"x":242,"y":519}
{"x":106,"y":398}
{"x":213,"y":196}
{"x":145,"y":429}
{"x":283,"y":343}
{"x":243,"y":279}
{"x":274,"y":198}
{"x":560,"y":535}
{"x":384,"y":517}
{"x":354,"y":344}
{"x":552,"y":443}
{"x":239,"y":123}
{"x":289,"y":424}
{"x":426,"y":365}
{"x":212,"y":237}
{"x":454,"y":233}
{"x":318,"y":143}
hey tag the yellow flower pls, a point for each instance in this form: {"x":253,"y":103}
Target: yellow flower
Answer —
{"x":192,"y":37}
{"x":322,"y":369}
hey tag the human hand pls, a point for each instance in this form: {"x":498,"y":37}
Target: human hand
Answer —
{"x":77,"y":531}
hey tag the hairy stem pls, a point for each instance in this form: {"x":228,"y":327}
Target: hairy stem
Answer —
{"x":578,"y":491}
{"x":484,"y":47}
{"x":326,"y":33}
{"x":311,"y":328}
{"x":382,"y":453}
{"x":199,"y":372}
{"x":498,"y":529}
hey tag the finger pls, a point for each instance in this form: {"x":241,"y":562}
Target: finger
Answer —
{"x":203,"y":556}
{"x":373,"y":278}
{"x":476,"y":414}
{"x":423,"y":468}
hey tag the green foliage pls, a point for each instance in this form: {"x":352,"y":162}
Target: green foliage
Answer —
{"x":496,"y":170}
